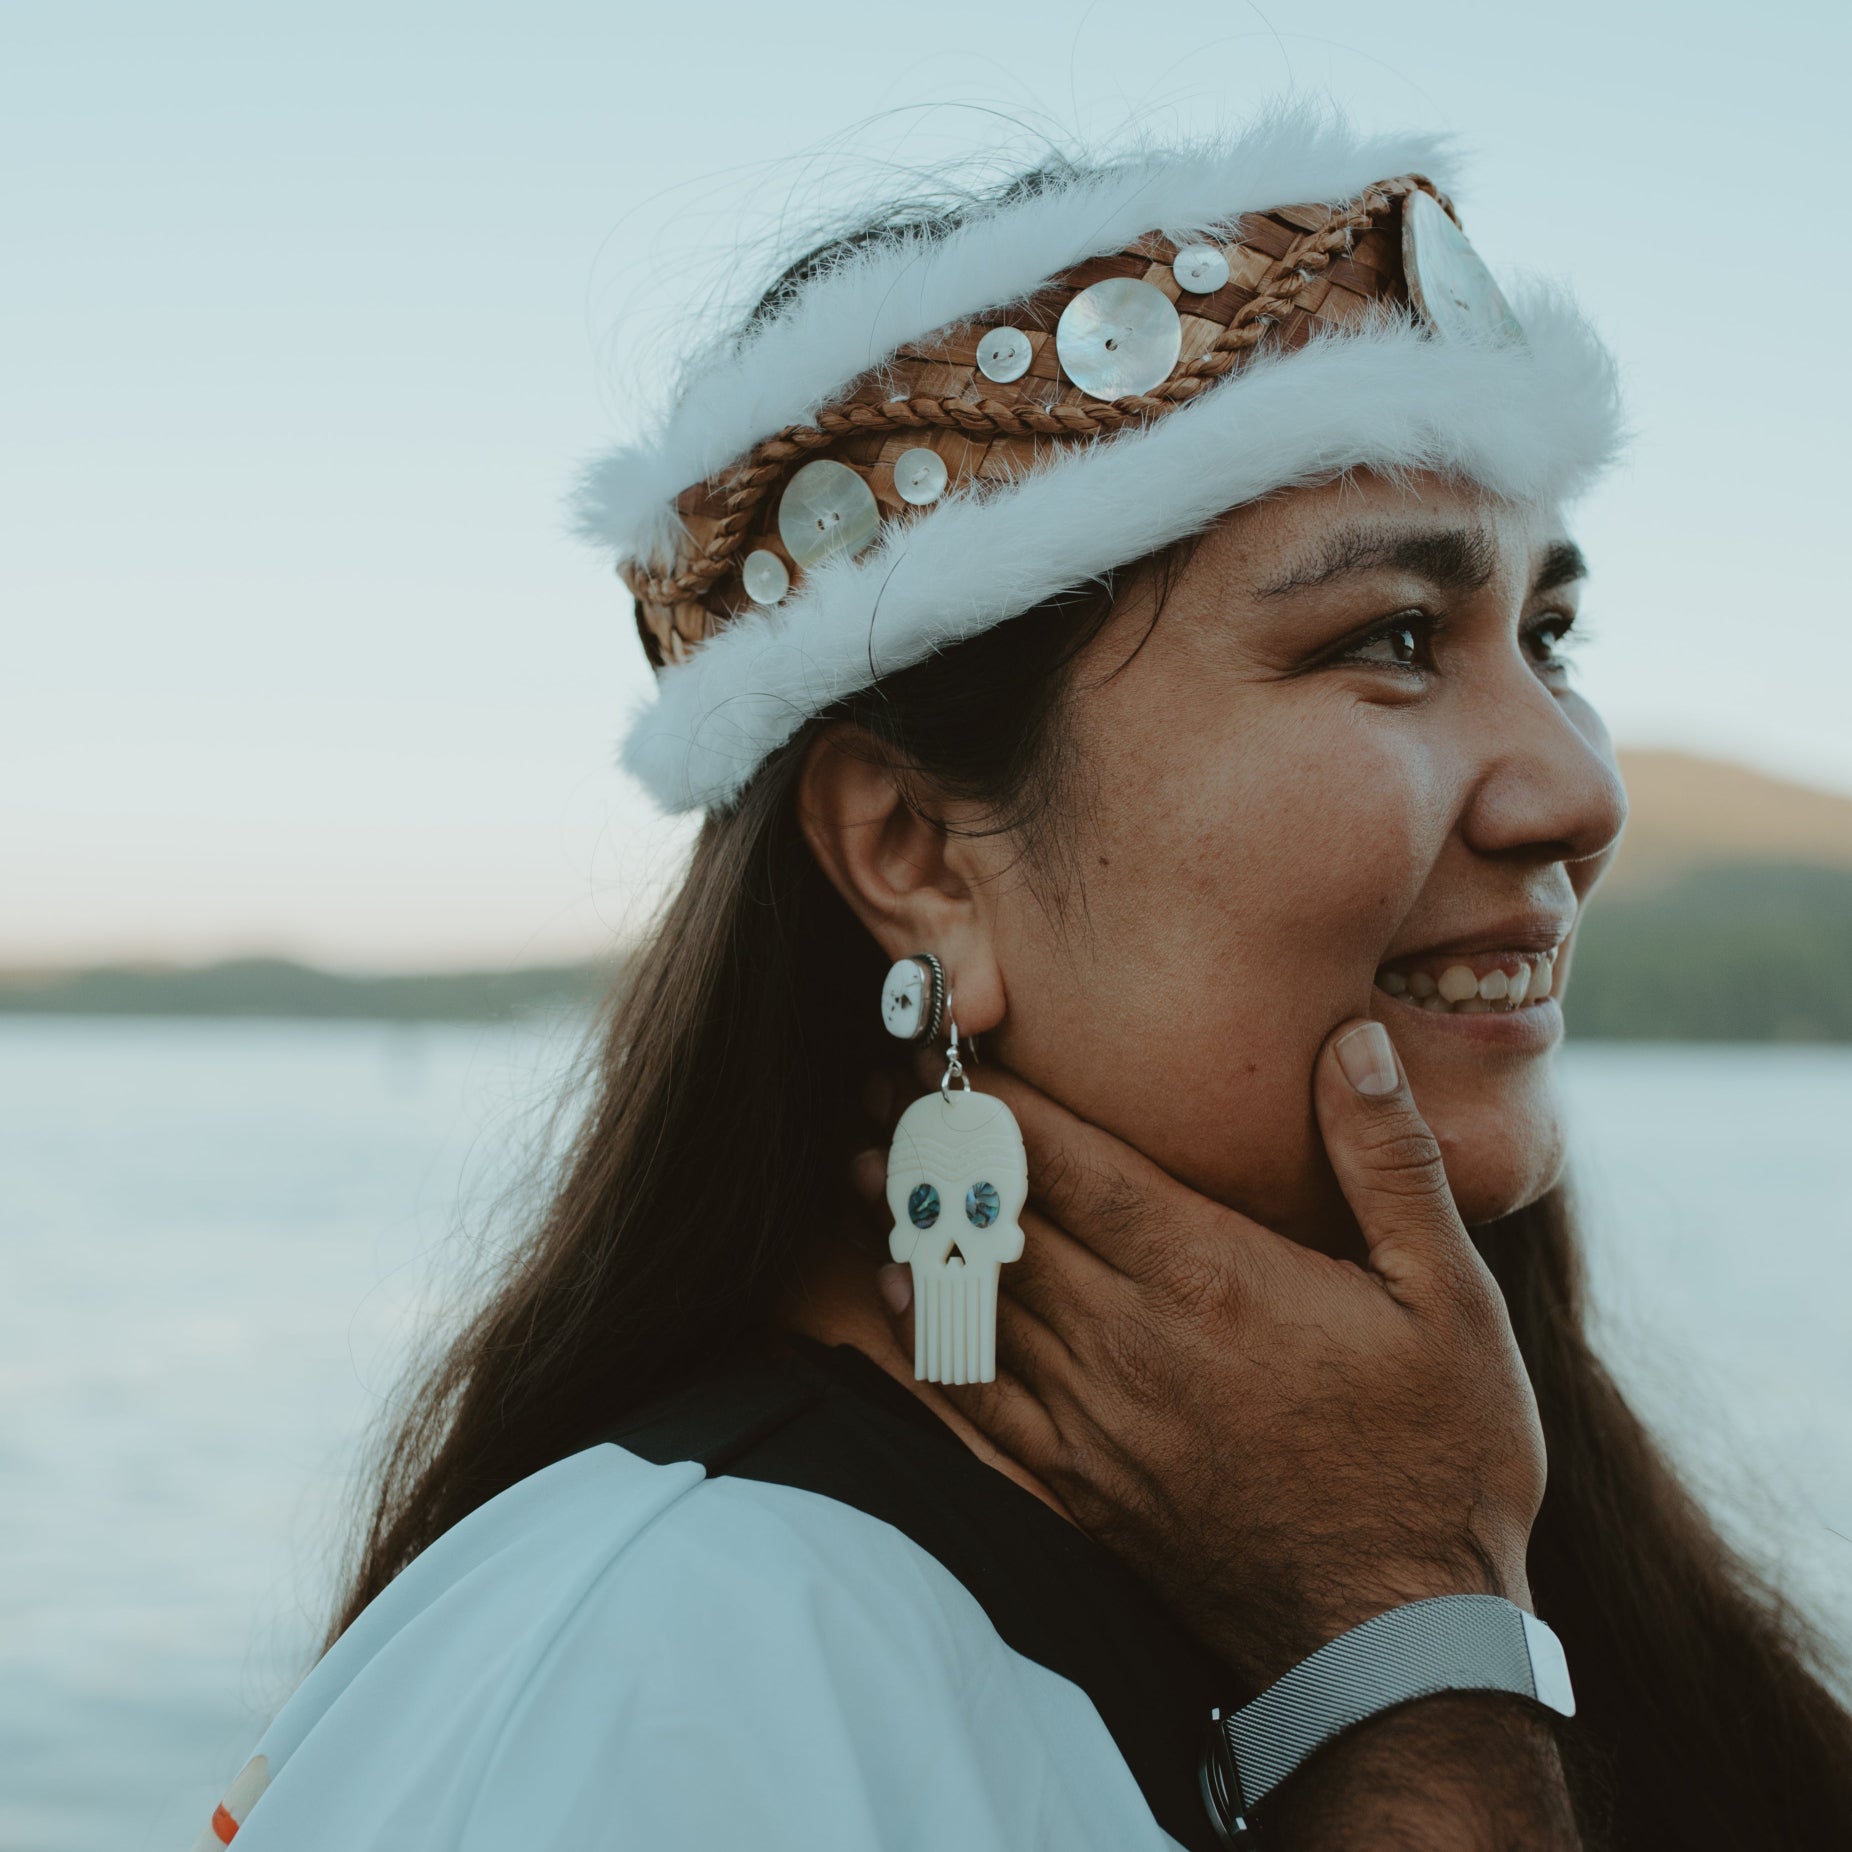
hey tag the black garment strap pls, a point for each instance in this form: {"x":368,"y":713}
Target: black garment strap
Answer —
{"x":833,"y":1422}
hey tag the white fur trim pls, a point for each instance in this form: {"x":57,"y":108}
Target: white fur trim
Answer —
{"x":848,"y":321}
{"x":1531,"y":423}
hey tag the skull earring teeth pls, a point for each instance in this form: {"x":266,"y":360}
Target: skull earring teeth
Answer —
{"x":957,"y":1182}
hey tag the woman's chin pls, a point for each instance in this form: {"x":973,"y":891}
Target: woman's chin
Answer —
{"x":1491,"y":1182}
{"x":1501,"y":1134}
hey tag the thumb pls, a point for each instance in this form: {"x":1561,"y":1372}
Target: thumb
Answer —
{"x":1388,"y":1163}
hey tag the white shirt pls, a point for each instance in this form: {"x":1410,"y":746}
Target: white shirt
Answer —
{"x":625,"y":1651}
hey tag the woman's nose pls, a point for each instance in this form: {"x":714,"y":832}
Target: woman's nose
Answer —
{"x":1549,"y":788}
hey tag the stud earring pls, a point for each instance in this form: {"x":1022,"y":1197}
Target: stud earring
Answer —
{"x":957,"y":1183}
{"x":913,"y":998}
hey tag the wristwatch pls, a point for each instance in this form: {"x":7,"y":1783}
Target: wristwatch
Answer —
{"x":1450,"y":1643}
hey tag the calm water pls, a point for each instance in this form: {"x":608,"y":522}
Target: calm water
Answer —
{"x":217,"y":1239}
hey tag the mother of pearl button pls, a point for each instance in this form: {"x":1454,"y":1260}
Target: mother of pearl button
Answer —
{"x":826,"y":509}
{"x":765,"y":576}
{"x":919,"y":476}
{"x":1117,"y":337}
{"x":1004,"y":354}
{"x":1457,"y":295}
{"x":1200,"y":269}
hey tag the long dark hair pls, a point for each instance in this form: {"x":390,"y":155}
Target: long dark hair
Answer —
{"x":684,"y":1209}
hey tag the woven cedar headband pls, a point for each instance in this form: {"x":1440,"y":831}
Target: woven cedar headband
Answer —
{"x":955,"y":409}
{"x":977,"y":464}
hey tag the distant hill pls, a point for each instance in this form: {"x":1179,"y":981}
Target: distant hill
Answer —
{"x":278,"y":987}
{"x":1690,"y":813}
{"x":1750,"y":952}
{"x":1727,"y":916}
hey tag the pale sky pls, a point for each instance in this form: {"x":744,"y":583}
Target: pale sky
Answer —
{"x":310,"y":313}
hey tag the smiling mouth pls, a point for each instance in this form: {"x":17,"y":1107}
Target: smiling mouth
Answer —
{"x":1475,"y":984}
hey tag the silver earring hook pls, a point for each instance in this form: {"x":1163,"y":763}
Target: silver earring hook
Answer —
{"x":954,"y":1068}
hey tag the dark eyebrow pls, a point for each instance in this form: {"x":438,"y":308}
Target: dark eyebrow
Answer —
{"x":1457,"y":560}
{"x":1562,"y":565}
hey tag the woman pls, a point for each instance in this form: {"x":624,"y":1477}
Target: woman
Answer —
{"x":1131,"y":604}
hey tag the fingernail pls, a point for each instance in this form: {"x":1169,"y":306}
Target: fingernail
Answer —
{"x":1368,"y":1061}
{"x":896,"y":1283}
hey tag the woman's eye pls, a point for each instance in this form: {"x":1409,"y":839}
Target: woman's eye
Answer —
{"x":1545,"y":639}
{"x":1401,"y":643}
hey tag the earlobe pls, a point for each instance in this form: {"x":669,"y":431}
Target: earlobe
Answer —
{"x":905,"y":876}
{"x":977,"y":1002}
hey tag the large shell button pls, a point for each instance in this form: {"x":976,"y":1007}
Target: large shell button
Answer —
{"x":919,"y":476}
{"x":826,"y":510}
{"x":1457,"y":295}
{"x":1200,"y":269}
{"x":1117,"y":337}
{"x":1003,"y":354}
{"x":765,"y":576}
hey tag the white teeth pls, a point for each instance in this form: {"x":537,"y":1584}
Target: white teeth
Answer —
{"x":1457,"y":983}
{"x":1461,"y":990}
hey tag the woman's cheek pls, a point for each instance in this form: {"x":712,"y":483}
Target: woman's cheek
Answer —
{"x":1260,"y":927}
{"x":1243,"y":879}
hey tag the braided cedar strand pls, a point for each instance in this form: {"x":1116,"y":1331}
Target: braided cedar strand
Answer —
{"x":751,"y":480}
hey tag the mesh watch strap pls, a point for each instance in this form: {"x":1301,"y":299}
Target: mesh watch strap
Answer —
{"x":1451,"y":1643}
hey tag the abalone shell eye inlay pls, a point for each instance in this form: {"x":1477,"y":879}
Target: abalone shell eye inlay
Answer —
{"x":923,"y":1205}
{"x":981,"y":1205}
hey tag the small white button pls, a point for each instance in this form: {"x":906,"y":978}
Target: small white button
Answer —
{"x":919,"y":476}
{"x":765,"y":577}
{"x":1004,"y":354}
{"x":1200,"y":269}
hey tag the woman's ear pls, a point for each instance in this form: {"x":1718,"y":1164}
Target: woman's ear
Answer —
{"x":916,"y":886}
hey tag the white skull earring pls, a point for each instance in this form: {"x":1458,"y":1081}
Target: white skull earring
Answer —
{"x":957,"y":1181}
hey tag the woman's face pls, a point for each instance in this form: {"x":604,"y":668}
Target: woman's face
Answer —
{"x":1345,"y":772}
